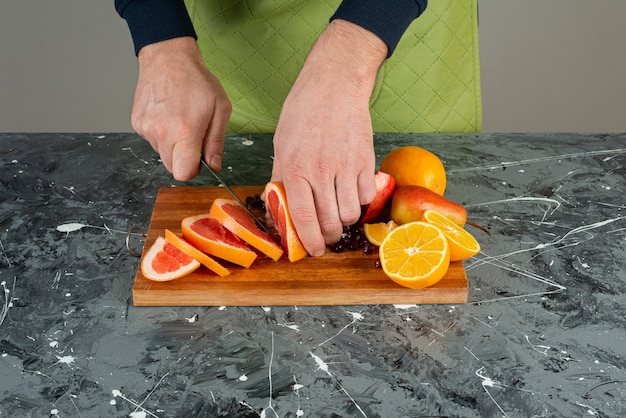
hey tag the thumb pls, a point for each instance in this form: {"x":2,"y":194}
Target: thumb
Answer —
{"x":186,"y":159}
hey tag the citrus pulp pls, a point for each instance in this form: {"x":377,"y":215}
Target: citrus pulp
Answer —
{"x":415,"y":255}
{"x":208,"y":235}
{"x":235,"y":218}
{"x":462,"y":244}
{"x":163,"y":262}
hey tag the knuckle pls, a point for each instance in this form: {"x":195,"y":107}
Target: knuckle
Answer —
{"x":350,"y":216}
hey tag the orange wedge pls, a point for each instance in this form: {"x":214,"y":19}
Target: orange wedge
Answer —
{"x":195,"y":253}
{"x":377,"y":232}
{"x":164,"y":262}
{"x":462,"y":244}
{"x":206,"y":234}
{"x":276,"y":204}
{"x":415,"y":255}
{"x":236,"y":219}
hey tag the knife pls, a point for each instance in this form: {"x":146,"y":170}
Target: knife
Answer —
{"x":227,"y":187}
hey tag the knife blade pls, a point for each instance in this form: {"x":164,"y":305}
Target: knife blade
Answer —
{"x":260,"y":224}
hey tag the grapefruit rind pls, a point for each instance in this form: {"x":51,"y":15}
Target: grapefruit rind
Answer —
{"x":157,"y":253}
{"x":278,"y":210}
{"x":237,"y":253}
{"x":195,"y":253}
{"x":235,"y":218}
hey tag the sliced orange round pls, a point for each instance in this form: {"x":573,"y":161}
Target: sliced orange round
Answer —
{"x":206,"y":234}
{"x":236,"y":219}
{"x":415,"y":255}
{"x":276,"y":204}
{"x":462,"y":244}
{"x":195,"y":253}
{"x":163,"y":262}
{"x":377,"y":232}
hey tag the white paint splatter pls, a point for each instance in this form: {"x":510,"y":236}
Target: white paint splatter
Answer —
{"x":356,"y":316}
{"x":290,"y":326}
{"x":405,"y":306}
{"x":71,"y":227}
{"x":192,"y":319}
{"x":66,"y":359}
{"x":321,"y":365}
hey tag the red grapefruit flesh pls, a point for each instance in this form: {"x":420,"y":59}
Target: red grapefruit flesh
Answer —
{"x":164,"y":262}
{"x":276,"y":204}
{"x":206,"y":234}
{"x":235,"y":218}
{"x":195,"y":253}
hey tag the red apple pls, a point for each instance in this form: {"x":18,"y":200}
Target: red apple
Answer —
{"x":385,"y":185}
{"x":408,"y":204}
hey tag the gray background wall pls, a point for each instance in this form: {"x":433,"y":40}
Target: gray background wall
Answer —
{"x":547,"y":65}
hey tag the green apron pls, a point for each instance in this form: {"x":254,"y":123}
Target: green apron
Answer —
{"x":256,"y":48}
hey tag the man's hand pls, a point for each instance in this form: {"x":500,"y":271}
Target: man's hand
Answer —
{"x":323,"y":145}
{"x":180,"y":107}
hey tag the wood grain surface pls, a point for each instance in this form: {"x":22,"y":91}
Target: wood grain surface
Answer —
{"x":348,"y":278}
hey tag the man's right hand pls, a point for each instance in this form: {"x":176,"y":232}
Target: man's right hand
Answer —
{"x":180,"y":107}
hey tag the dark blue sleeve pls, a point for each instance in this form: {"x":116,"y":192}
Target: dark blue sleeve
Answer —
{"x":151,"y":21}
{"x":388,"y":19}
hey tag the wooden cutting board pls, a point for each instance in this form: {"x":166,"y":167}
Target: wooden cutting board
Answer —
{"x":348,"y":278}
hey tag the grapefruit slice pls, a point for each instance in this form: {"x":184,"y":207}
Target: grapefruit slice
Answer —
{"x":276,"y":204}
{"x":195,"y":253}
{"x":164,"y":262}
{"x":235,"y":218}
{"x":206,"y":234}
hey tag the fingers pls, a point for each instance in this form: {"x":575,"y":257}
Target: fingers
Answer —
{"x":348,"y":201}
{"x":216,"y":134}
{"x":186,"y":158}
{"x":304,"y":216}
{"x":366,"y":184}
{"x":320,"y":208}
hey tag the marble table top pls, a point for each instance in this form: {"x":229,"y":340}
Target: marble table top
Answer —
{"x":543,"y":333}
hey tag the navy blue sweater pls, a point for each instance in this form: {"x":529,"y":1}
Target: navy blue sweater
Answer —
{"x":152,"y":21}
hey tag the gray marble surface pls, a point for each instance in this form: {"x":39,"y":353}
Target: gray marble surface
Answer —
{"x":543,"y":334}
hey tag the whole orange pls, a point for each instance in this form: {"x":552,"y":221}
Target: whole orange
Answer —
{"x":411,"y":165}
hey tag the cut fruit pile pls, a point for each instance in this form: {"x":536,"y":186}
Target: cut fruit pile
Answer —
{"x":226,"y":234}
{"x":417,"y":230}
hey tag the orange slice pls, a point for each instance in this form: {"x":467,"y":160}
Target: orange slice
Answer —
{"x":462,"y":244}
{"x":195,"y":253}
{"x":164,"y":262}
{"x":206,"y":234}
{"x":276,"y":204}
{"x":415,"y":255}
{"x":236,"y":219}
{"x":377,"y":232}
